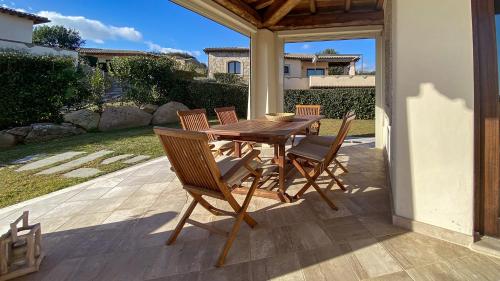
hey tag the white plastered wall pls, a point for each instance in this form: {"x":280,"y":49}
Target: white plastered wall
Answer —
{"x":16,"y":28}
{"x":432,"y":113}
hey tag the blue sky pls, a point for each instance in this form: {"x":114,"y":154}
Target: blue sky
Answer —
{"x":159,"y":25}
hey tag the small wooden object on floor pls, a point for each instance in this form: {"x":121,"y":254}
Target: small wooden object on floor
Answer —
{"x":20,"y":249}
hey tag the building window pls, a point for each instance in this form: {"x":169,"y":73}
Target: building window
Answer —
{"x":286,"y":70}
{"x":315,"y":71}
{"x":234,"y":67}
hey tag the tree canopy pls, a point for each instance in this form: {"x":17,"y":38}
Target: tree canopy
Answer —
{"x":57,"y":36}
{"x":328,"y":51}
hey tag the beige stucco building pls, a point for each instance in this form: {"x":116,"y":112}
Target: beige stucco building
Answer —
{"x":437,"y":117}
{"x":300,"y":71}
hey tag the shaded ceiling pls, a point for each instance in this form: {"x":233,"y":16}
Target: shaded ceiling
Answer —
{"x":303,"y":14}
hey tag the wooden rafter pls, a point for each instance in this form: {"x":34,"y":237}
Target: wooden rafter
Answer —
{"x":278,"y":10}
{"x":261,"y":4}
{"x":312,"y":6}
{"x":347,"y":5}
{"x":330,"y":20}
{"x":380,"y":5}
{"x":241,"y":9}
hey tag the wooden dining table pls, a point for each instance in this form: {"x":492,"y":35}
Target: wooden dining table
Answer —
{"x":261,"y":130}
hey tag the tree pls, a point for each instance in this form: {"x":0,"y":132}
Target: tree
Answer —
{"x":57,"y":36}
{"x":328,"y":51}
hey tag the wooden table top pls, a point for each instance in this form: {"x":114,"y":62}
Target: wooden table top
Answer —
{"x":262,"y":129}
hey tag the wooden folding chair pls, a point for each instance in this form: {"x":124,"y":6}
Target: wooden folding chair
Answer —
{"x":319,"y":157}
{"x":301,"y":109}
{"x":227,"y":115}
{"x":328,"y":140}
{"x":201,"y":175}
{"x":196,"y":120}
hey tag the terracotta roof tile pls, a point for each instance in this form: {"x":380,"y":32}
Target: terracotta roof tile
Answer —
{"x":36,"y":19}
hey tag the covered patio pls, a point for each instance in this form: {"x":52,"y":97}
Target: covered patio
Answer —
{"x":115,"y":227}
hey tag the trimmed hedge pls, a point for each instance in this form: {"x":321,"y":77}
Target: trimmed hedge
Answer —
{"x":35,"y":88}
{"x":335,"y":101}
{"x":209,"y":95}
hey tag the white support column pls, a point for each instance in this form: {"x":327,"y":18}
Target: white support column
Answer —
{"x":352,"y":68}
{"x":266,"y":72}
{"x":379,"y":93}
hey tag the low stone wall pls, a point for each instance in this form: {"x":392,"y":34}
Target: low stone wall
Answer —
{"x":36,"y":49}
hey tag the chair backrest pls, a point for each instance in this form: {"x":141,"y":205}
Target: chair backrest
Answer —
{"x":195,"y":120}
{"x":301,"y":109}
{"x":342,"y":134}
{"x":191,"y":158}
{"x":226,"y":115}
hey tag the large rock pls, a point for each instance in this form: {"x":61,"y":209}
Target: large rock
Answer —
{"x":48,"y":131}
{"x":149,"y":108}
{"x":20,"y":132}
{"x":167,"y":113}
{"x":7,"y":140}
{"x":123,"y":117}
{"x":84,"y":118}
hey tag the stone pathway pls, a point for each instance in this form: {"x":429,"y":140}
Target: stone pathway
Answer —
{"x":82,"y":173}
{"x":70,"y":165}
{"x":49,"y":161}
{"x":116,"y":159}
{"x":75,"y":163}
{"x":137,"y":159}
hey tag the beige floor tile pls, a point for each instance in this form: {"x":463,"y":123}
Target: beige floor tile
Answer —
{"x":373,"y":258}
{"x":86,"y":222}
{"x":121,"y":191}
{"x":436,"y":272}
{"x":398,"y":276}
{"x":327,"y":263}
{"x":280,"y":268}
{"x":68,"y":209}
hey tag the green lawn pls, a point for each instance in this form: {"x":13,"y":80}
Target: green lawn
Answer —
{"x":20,"y":186}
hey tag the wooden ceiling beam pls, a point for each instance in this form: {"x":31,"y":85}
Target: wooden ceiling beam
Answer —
{"x":242,"y":10}
{"x":312,"y":6}
{"x":347,"y":5}
{"x":261,"y":4}
{"x":329,"y":20}
{"x":379,"y":5}
{"x":278,"y":10}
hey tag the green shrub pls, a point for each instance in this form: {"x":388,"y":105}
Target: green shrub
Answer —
{"x":35,"y":88}
{"x":228,"y":78}
{"x":209,"y":95}
{"x":336,"y":101}
{"x":146,"y":79}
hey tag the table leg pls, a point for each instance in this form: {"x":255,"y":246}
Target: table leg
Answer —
{"x":282,"y":171}
{"x":237,"y":149}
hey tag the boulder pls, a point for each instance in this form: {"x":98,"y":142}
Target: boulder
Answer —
{"x":149,"y":108}
{"x":20,"y":132}
{"x":48,"y":131}
{"x":7,"y":140}
{"x":167,"y":113}
{"x":123,"y":117}
{"x":87,"y":119}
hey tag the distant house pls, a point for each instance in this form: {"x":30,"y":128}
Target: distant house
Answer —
{"x":300,"y":71}
{"x":16,"y":33}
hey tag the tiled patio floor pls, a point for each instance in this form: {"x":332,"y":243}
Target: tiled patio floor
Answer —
{"x":114,"y":228}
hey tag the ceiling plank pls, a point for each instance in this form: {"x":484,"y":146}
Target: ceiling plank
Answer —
{"x":312,"y":5}
{"x":347,"y":6}
{"x":261,"y":4}
{"x":329,"y":20}
{"x":243,"y":10}
{"x":278,"y":10}
{"x":380,"y":5}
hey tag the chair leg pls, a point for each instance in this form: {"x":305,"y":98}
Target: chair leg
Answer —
{"x":342,"y":167}
{"x":181,"y":223}
{"x":305,"y":175}
{"x":339,"y":183}
{"x":323,"y":195}
{"x":242,"y":212}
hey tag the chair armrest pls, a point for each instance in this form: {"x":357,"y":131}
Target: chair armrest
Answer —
{"x":241,"y":163}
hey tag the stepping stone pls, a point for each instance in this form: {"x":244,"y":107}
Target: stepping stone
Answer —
{"x":136,"y":159}
{"x":116,"y":158}
{"x":82,"y":173}
{"x":75,"y":163}
{"x":27,"y":159}
{"x":49,"y":161}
